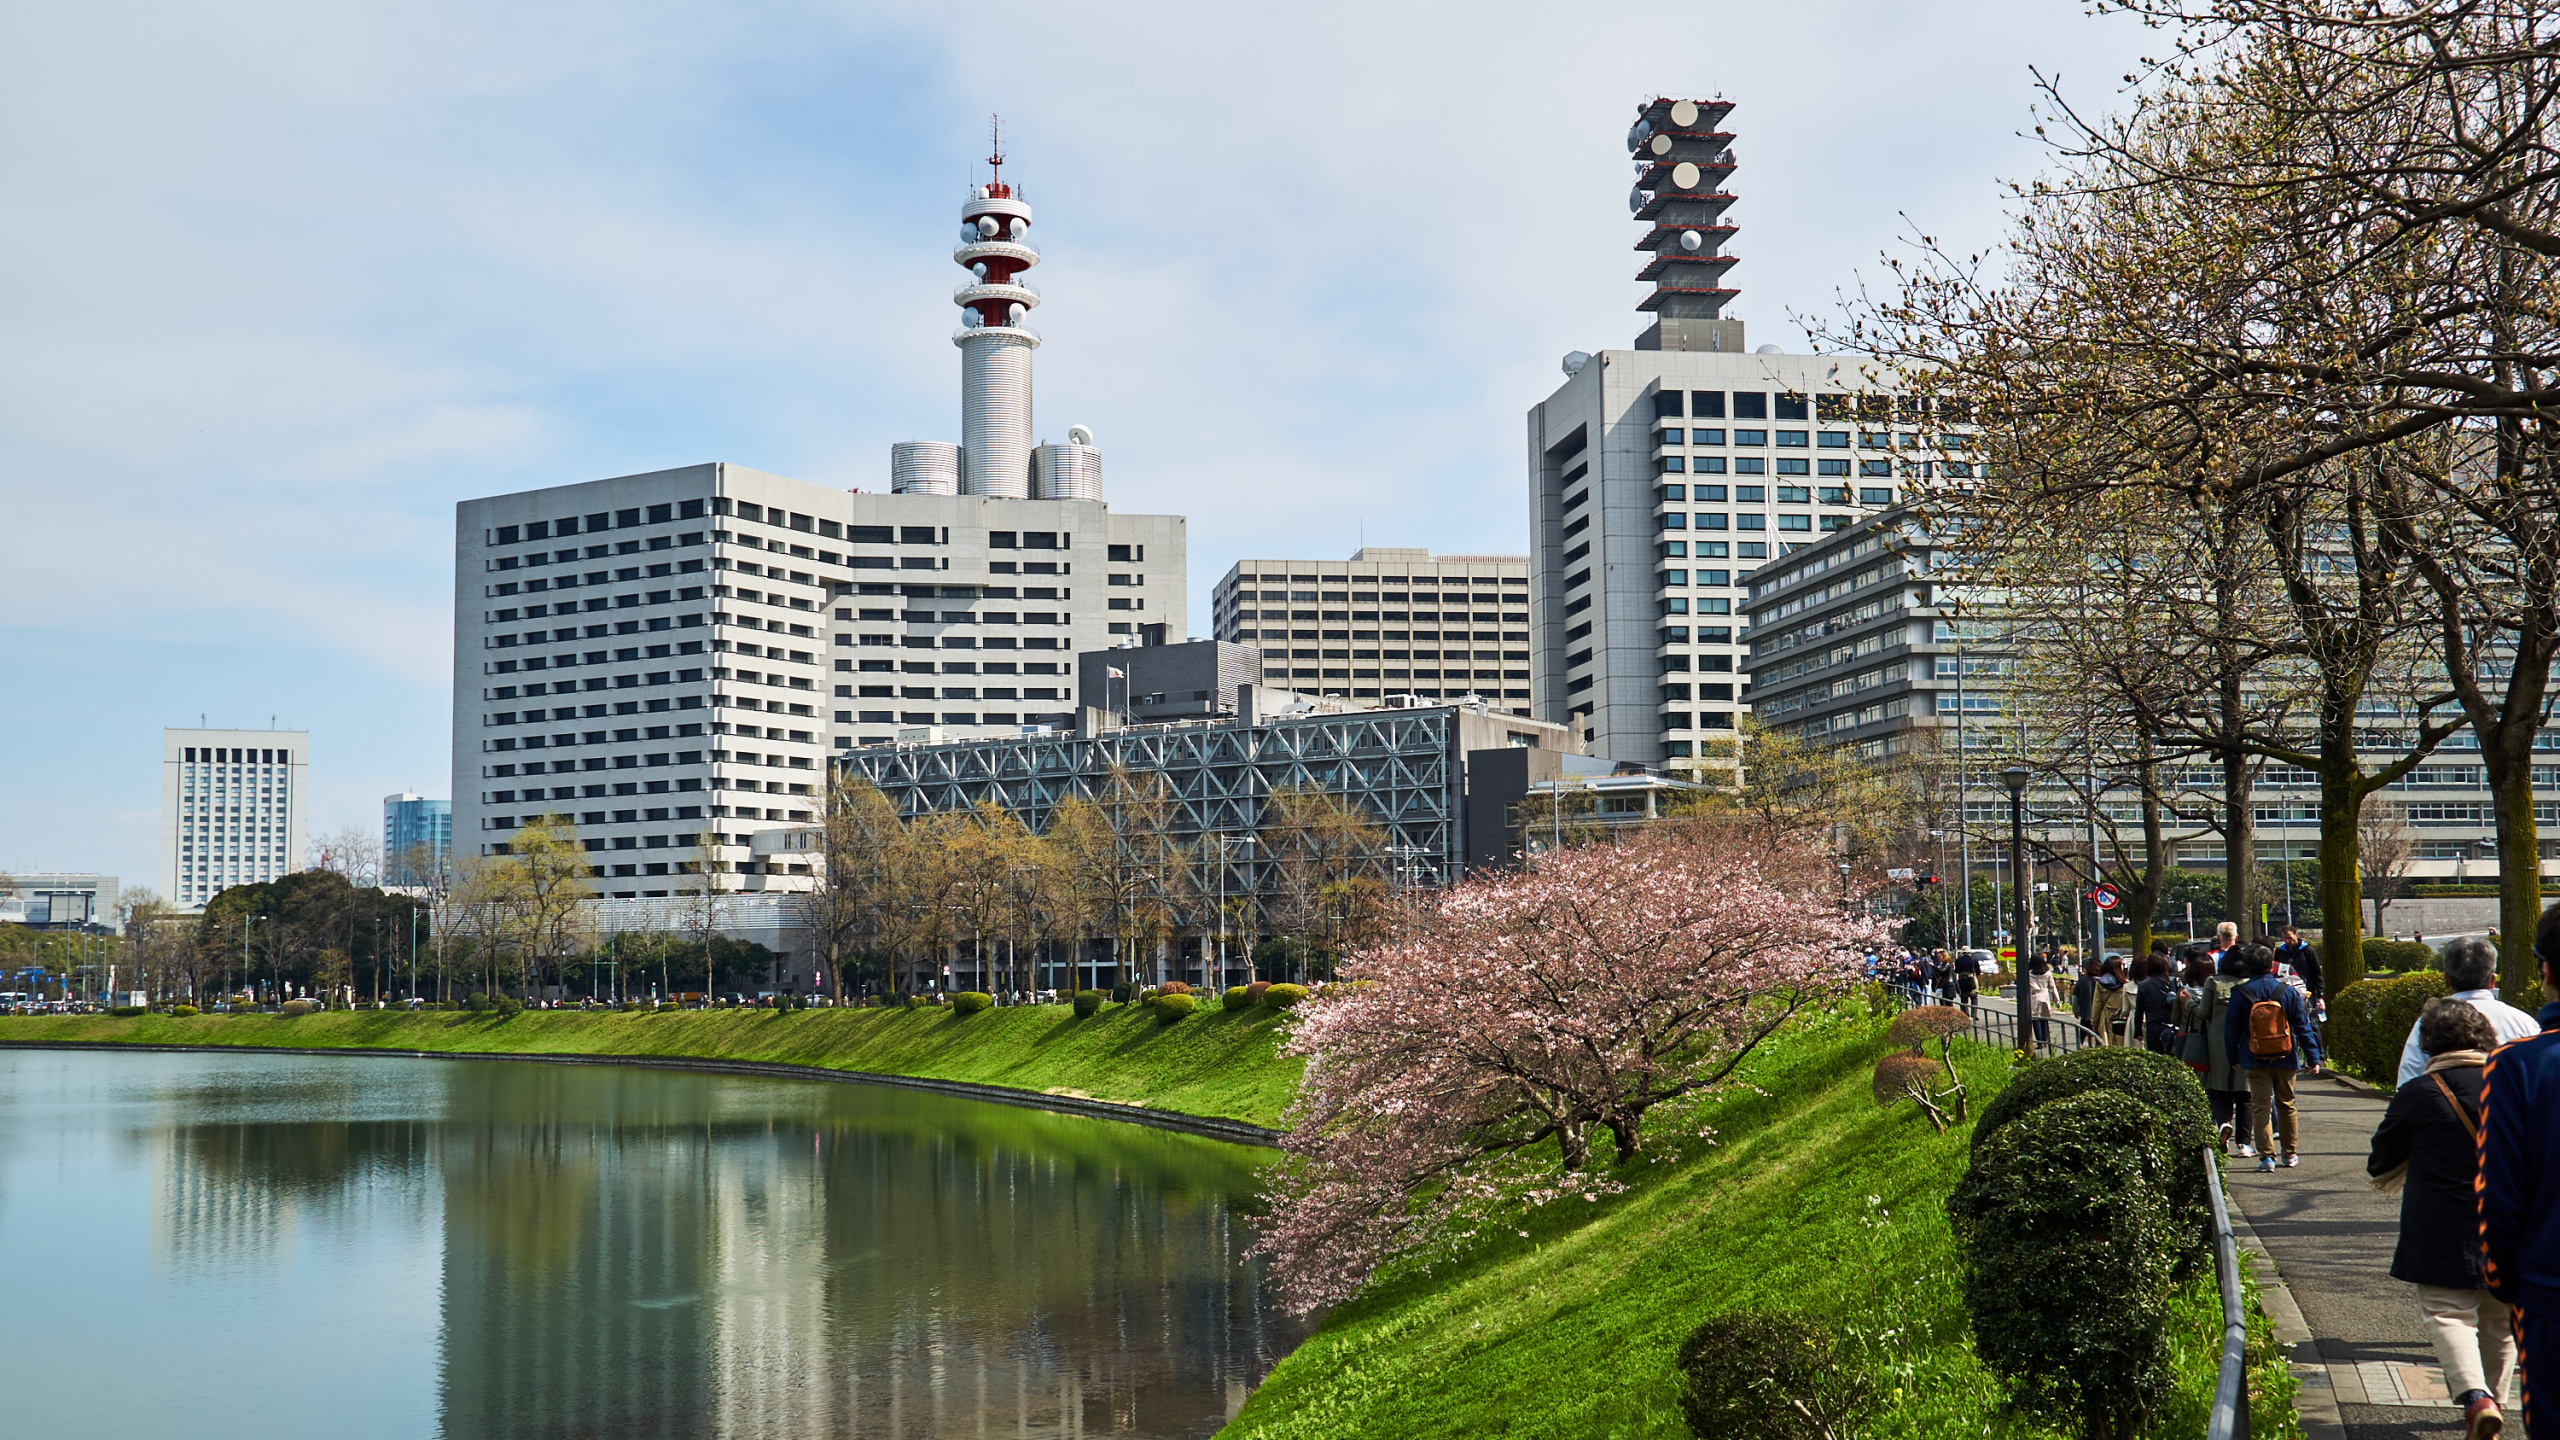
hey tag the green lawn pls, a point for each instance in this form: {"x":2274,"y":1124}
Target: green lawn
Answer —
{"x":1812,"y":1198}
{"x":1216,"y":1063}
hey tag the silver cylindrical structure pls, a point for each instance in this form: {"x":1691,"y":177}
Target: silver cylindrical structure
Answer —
{"x":1066,"y":472}
{"x":995,"y":411}
{"x":924,"y":467}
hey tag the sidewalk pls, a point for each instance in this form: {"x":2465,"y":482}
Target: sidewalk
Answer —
{"x":2330,"y":1235}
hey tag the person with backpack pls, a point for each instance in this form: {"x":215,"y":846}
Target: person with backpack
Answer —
{"x":2268,"y":1032}
{"x":1968,"y":968}
{"x":2156,"y":1006}
{"x":2428,"y":1145}
{"x":2519,"y":1185}
{"x":2208,"y":1051}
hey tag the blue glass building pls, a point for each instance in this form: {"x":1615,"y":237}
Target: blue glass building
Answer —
{"x":417,"y":838}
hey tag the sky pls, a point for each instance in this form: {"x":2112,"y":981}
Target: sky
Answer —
{"x":282,"y":282}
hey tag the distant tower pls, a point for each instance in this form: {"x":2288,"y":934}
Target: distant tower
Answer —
{"x":996,"y":456}
{"x":1683,"y":158}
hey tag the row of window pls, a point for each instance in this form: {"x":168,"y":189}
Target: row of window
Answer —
{"x":959,"y":692}
{"x":536,"y":559}
{"x":961,"y":642}
{"x":1417,"y":582}
{"x":600,"y":521}
{"x":1279,"y":673}
{"x":1268,"y":633}
{"x":235,"y":755}
{"x":1790,"y":405}
{"x":1787,"y":525}
{"x":1706,"y":635}
{"x":1759,"y":494}
{"x":961,"y":717}
{"x":1302,"y":653}
{"x":959,"y":667}
{"x":1682,"y":577}
{"x":1797,"y":439}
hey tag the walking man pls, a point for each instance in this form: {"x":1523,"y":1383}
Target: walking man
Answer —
{"x":2306,"y":963}
{"x":2269,"y":1035}
{"x":2520,"y":1190}
{"x":2471,"y":973}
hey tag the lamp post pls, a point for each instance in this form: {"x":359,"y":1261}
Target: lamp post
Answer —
{"x":2016,"y":776}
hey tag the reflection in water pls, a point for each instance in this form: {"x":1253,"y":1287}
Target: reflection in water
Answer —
{"x":645,"y":1253}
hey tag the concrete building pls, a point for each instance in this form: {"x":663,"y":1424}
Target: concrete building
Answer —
{"x":732,"y":627}
{"x":1150,"y":684}
{"x":1388,"y":621}
{"x":58,"y":900}
{"x":232,"y":810}
{"x":417,"y":838}
{"x":1663,"y":476}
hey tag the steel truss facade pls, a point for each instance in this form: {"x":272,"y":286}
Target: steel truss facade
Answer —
{"x":1401,"y":767}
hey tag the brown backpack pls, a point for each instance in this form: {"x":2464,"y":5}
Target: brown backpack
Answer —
{"x":2270,"y":1030}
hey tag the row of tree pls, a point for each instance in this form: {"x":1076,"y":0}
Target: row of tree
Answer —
{"x":2263,"y":380}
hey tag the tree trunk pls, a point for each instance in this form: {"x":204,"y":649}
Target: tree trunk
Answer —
{"x":2510,"y":765}
{"x":2341,"y":855}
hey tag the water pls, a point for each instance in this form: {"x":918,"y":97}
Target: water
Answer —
{"x":278,"y":1246}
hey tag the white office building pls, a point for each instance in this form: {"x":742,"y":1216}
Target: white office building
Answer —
{"x":232,"y":810}
{"x":1388,"y":621}
{"x":1661,"y":477}
{"x":665,"y":656}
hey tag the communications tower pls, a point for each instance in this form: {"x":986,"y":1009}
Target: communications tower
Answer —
{"x":1683,"y":158}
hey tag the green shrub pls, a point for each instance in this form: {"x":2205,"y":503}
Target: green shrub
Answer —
{"x":1238,"y":997}
{"x":1170,"y":1008}
{"x":1283,"y":997}
{"x":182,"y":1011}
{"x":507,"y":1006}
{"x":2071,"y":1242}
{"x":1088,"y":1004}
{"x":299,"y":1007}
{"x":129,"y":1011}
{"x":669,"y":1007}
{"x":630,"y":1005}
{"x":1769,"y":1375}
{"x":970,"y":1002}
{"x":2165,"y":1086}
{"x":2369,"y":1021}
{"x":1123,"y":993}
{"x":477,"y":1001}
{"x":2403,"y":955}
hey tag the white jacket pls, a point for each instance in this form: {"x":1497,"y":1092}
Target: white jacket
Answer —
{"x":2510,"y":1023}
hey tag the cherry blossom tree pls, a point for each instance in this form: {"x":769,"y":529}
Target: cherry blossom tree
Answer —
{"x":1472,"y":1065}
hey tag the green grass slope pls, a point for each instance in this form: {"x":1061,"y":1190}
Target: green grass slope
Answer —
{"x":1223,"y":1064}
{"x":1812,"y":1199}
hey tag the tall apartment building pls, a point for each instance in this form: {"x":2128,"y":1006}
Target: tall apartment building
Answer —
{"x":1387,"y":621}
{"x":1662,"y":477}
{"x":417,"y":838}
{"x":232,"y":809}
{"x":662,"y":656}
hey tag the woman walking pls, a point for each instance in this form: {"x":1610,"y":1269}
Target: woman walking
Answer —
{"x":2428,"y":1145}
{"x":2109,"y":1001}
{"x":2224,"y":1085}
{"x":2156,"y":1006}
{"x":2042,"y":990}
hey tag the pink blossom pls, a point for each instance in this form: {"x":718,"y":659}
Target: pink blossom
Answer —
{"x":1469,"y":1067}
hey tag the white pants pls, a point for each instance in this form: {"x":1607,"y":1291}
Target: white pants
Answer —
{"x":2475,"y":1341}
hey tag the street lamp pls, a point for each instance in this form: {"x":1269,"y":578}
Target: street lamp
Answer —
{"x":2016,"y":776}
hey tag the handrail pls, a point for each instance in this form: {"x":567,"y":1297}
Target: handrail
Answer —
{"x":2230,"y":1416}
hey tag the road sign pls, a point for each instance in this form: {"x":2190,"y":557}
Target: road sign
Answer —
{"x":2106,"y":897}
{"x":1897,"y":876}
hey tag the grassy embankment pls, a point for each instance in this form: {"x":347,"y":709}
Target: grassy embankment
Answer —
{"x":1215,"y":1063}
{"x":1812,"y":1199}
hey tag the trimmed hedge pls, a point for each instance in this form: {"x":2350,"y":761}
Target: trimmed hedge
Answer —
{"x":2369,"y":1021}
{"x":1283,"y":997}
{"x":1170,"y":1008}
{"x":970,"y":1002}
{"x":2071,"y":1243}
{"x":299,"y":1007}
{"x":2398,"y":955}
{"x":1173,"y":987}
{"x":2162,"y":1086}
{"x":1088,"y":1004}
{"x":1766,"y":1375}
{"x":1238,"y":997}
{"x":128,"y":1011}
{"x":183,"y":1011}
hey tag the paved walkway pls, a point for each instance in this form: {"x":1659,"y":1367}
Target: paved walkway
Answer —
{"x":2330,"y":1236}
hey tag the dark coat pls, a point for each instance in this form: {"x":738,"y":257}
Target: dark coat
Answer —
{"x":2439,"y":1217}
{"x":2519,"y":1224}
{"x":2156,"y":1001}
{"x":2306,"y":1041}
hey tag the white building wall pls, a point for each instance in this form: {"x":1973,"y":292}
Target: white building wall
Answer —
{"x":233,"y":810}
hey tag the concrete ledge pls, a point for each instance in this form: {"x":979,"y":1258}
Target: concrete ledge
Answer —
{"x":1234,"y":1132}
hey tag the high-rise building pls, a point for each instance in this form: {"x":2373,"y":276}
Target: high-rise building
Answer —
{"x":665,"y":656}
{"x":232,"y":809}
{"x":417,"y":838}
{"x":1661,"y":477}
{"x":1387,"y":621}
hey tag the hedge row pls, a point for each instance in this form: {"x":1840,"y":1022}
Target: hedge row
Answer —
{"x":2369,"y":1022}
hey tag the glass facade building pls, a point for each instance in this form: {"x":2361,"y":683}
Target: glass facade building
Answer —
{"x":417,"y":838}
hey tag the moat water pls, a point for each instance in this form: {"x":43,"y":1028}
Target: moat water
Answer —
{"x":280,"y":1246}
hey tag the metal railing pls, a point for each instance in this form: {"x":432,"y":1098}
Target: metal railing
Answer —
{"x":2230,"y":1416}
{"x":1993,"y":1025}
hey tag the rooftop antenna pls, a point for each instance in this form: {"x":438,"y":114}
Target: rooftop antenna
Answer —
{"x":995,"y":157}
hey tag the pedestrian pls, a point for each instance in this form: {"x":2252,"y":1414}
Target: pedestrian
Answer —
{"x":1942,"y":977}
{"x":2224,"y":1086}
{"x":2305,"y":960}
{"x":2470,"y":969}
{"x":2268,"y":1032}
{"x":2519,"y":1185}
{"x":2042,"y":989}
{"x":2108,"y":1003}
{"x":1968,"y":977}
{"x":2156,"y":1006}
{"x":2428,"y":1144}
{"x":2084,"y":994}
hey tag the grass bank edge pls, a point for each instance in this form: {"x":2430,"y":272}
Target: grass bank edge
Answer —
{"x":1217,"y":1063}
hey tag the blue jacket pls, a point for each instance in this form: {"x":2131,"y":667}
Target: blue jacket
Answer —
{"x":2519,"y":1142}
{"x":2235,"y":1026}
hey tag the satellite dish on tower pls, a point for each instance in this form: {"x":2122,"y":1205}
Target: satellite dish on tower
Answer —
{"x":1684,"y":176}
{"x":1684,"y":113}
{"x":1692,"y":241}
{"x":1574,"y":360}
{"x":1635,"y":201}
{"x":1079,"y":435}
{"x":1660,"y":145}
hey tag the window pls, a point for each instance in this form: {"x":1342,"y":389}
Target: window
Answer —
{"x":916,"y":535}
{"x":1675,"y":521}
{"x":1666,"y":403}
{"x":1749,"y":550}
{"x":1749,"y":405}
{"x":661,"y":514}
{"x":1832,"y":439}
{"x":1750,"y":522}
{"x":1791,"y":407}
{"x":1751,"y":494}
{"x":1706,"y":437}
{"x":1672,"y":577}
{"x":1707,"y":405}
{"x":1876,"y":468}
{"x":1835,"y":494}
{"x":1708,"y":492}
{"x":1791,"y":439}
{"x":1710,"y":522}
{"x":1673,"y":465}
{"x":1794,"y":495}
{"x":883,"y":535}
{"x":1791,"y":465}
{"x":1669,"y":436}
{"x":1670,"y":492}
{"x":1750,"y":465}
{"x":1838,"y":522}
{"x":1709,"y":465}
{"x":1001,"y":540}
{"x":1712,"y":550}
{"x":1712,"y":577}
{"x":1875,"y":495}
{"x":1672,"y":550}
{"x":1795,"y":522}
{"x":1750,"y":437}
{"x":1832,"y":467}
